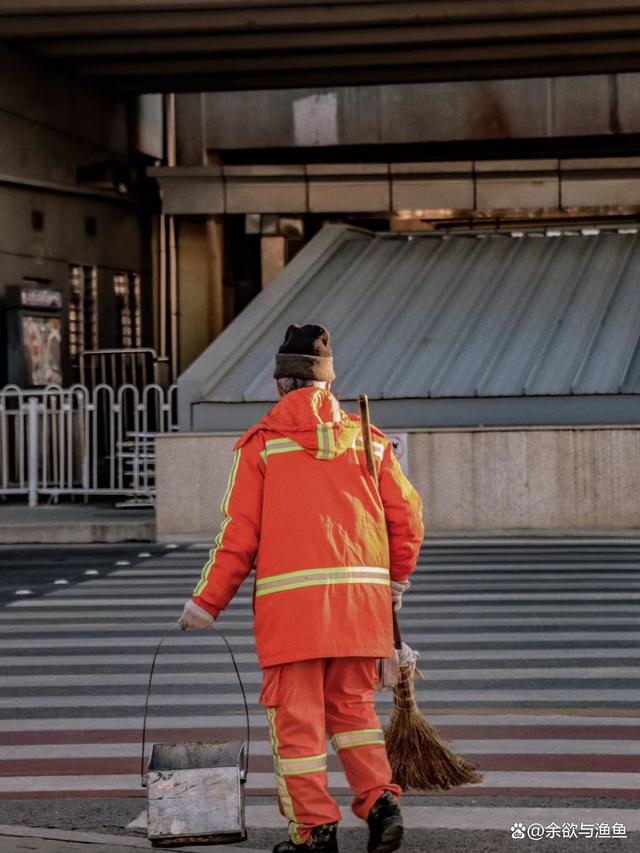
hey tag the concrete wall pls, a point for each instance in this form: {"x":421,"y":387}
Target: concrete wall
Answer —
{"x":427,"y":112}
{"x":475,"y":480}
{"x":117,"y":244}
{"x":528,"y":479}
{"x":192,"y":473}
{"x":50,"y":125}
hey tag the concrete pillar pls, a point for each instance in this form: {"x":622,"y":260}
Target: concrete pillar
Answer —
{"x":273,"y":256}
{"x":200,"y":289}
{"x":156,"y":259}
{"x":191,"y":147}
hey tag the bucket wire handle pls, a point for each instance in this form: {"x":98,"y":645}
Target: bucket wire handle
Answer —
{"x":243,"y":775}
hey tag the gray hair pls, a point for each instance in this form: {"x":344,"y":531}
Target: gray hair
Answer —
{"x":292,"y":383}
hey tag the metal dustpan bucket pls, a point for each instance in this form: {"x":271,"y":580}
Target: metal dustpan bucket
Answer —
{"x":195,"y":791}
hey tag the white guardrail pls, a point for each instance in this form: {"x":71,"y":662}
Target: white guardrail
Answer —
{"x":76,"y":441}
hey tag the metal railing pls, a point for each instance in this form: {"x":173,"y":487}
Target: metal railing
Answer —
{"x":80,"y":441}
{"x":137,"y":366}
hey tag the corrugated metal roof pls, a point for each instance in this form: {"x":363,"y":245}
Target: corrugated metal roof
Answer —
{"x":455,"y":316}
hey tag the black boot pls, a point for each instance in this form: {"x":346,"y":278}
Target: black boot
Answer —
{"x":322,"y":838}
{"x":385,"y":825}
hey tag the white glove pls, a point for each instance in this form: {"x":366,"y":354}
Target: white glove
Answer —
{"x":397,"y":588}
{"x":407,"y":655}
{"x":194,"y":616}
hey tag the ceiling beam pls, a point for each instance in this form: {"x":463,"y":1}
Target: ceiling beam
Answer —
{"x":337,"y":59}
{"x":65,"y":7}
{"x":183,"y":45}
{"x":333,"y":14}
{"x":318,"y":39}
{"x":314,"y":78}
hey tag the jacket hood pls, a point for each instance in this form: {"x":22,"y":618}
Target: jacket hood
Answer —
{"x":312,"y":418}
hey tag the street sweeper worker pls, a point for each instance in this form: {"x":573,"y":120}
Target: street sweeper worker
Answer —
{"x":332,"y":550}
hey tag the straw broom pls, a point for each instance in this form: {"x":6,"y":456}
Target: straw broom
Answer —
{"x":418,"y":755}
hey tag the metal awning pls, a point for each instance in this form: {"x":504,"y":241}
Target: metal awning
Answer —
{"x":209,"y":45}
{"x":444,"y":330}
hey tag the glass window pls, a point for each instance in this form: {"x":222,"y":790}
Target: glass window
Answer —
{"x":127,"y":293}
{"x":83,"y":310}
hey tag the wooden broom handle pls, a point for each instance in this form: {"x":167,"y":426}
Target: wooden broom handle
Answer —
{"x":365,"y":422}
{"x":397,"y":636}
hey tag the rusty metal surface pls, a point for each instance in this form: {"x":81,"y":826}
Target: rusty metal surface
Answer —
{"x":195,"y":793}
{"x":175,"y":45}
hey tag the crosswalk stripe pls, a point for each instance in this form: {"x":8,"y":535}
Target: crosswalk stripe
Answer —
{"x":451,"y":694}
{"x":168,"y":610}
{"x":529,"y":655}
{"x":593,"y":580}
{"x":435,"y":566}
{"x":145,"y":602}
{"x":493,"y":779}
{"x":424,"y":638}
{"x":588,"y":721}
{"x":465,"y":747}
{"x":227,"y":622}
{"x":432,"y":676}
{"x":113,"y":601}
{"x":210,"y":657}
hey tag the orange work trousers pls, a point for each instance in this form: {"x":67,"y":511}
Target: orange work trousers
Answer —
{"x":307,"y":701}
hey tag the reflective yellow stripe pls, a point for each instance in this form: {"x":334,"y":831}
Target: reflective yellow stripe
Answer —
{"x":324,"y":582}
{"x":281,"y":784}
{"x":320,"y":453}
{"x":280,"y":445}
{"x":322,"y":577}
{"x":287,"y":805}
{"x":331,"y":440}
{"x":224,"y":507}
{"x":326,"y":442}
{"x":378,"y":449}
{"x":298,"y":766}
{"x":299,"y":573}
{"x":358,"y":737}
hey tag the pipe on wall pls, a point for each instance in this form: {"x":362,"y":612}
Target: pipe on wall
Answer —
{"x":167,"y":243}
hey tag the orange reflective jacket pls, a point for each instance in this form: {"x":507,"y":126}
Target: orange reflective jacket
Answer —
{"x":301,"y":505}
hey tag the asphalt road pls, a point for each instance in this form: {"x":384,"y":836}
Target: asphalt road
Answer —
{"x":530,"y":652}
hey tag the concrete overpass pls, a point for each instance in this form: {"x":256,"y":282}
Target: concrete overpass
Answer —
{"x":216,"y":45}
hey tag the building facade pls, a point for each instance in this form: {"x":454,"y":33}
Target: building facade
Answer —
{"x":172,"y":170}
{"x":77,"y":220}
